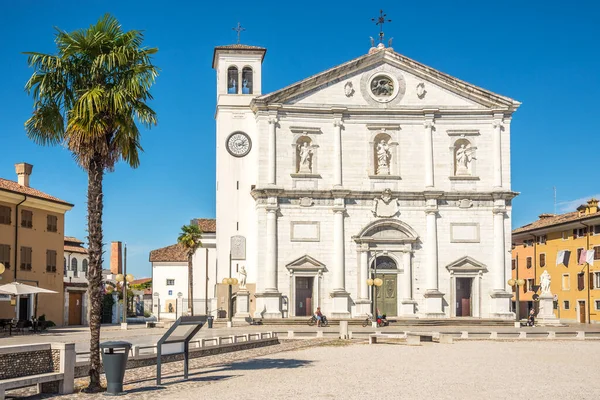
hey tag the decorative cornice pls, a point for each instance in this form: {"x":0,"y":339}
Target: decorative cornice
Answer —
{"x":463,"y":132}
{"x":383,"y":127}
{"x":306,"y":129}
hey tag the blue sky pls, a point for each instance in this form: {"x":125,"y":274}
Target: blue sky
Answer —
{"x":542,"y":53}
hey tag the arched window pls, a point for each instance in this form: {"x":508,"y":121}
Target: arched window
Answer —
{"x":74,"y":264}
{"x":84,"y":266}
{"x":247,"y":80}
{"x":65,"y":265}
{"x":232,"y":80}
{"x":384,"y":262}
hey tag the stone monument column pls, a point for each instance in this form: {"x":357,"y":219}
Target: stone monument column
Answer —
{"x":338,"y":293}
{"x":272,"y":151}
{"x":407,"y":302}
{"x":433,"y":297}
{"x":497,"y":149}
{"x":337,"y":152}
{"x":428,"y":154}
{"x":268,"y":303}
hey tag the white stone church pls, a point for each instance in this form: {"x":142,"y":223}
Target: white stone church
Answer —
{"x":381,"y":167}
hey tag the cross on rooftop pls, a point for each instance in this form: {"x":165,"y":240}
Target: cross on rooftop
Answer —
{"x":239,"y":30}
{"x":380,"y":21}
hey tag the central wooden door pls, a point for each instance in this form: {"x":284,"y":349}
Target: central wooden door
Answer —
{"x":387,"y":295}
{"x":463,"y":297}
{"x":75,"y":308}
{"x":304,"y":306}
{"x":582,"y":316}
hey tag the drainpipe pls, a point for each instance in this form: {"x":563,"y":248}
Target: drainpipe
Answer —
{"x":587,"y":276}
{"x":17,"y":235}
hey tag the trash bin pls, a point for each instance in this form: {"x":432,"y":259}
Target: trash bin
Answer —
{"x":114,"y":359}
{"x":210,"y":321}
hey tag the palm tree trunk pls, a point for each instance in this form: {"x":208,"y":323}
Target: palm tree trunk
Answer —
{"x":190,"y":286}
{"x":95,"y":208}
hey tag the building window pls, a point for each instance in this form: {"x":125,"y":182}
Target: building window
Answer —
{"x":565,"y":235}
{"x":579,"y":232}
{"x":26,"y":219}
{"x":542,"y":239}
{"x":542,"y":260}
{"x":50,"y":261}
{"x":529,"y":285}
{"x":170,"y":293}
{"x":5,"y":255}
{"x":5,"y":215}
{"x":247,"y":81}
{"x":74,"y":266}
{"x":528,"y":243}
{"x":26,"y":258}
{"x":596,"y":280}
{"x":566,"y":304}
{"x":528,"y":262}
{"x":597,"y":305}
{"x":232,"y":80}
{"x":595,"y":229}
{"x":566,"y":283}
{"x":597,"y":253}
{"x":170,"y":282}
{"x":514,"y":264}
{"x":579,"y":251}
{"x":52,"y":223}
{"x":84,"y":267}
{"x":580,"y":281}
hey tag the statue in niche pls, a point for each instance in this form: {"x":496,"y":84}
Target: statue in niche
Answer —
{"x":383,"y":158}
{"x":242,"y":277}
{"x":305,"y":153}
{"x":545,"y":282}
{"x":463,"y":158}
{"x":385,"y":206}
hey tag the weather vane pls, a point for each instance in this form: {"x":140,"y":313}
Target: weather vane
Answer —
{"x":380,"y":21}
{"x":239,"y":30}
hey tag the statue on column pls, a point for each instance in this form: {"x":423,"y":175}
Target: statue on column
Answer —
{"x":242,"y":277}
{"x":545,"y":282}
{"x":464,"y":156}
{"x":383,"y":158}
{"x":305,"y":157}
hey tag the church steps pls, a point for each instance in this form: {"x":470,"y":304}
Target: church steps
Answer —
{"x":394,"y":322}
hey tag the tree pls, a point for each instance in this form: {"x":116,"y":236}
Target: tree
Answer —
{"x":89,"y":97}
{"x":189,"y":238}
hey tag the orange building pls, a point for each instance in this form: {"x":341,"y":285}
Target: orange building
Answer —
{"x":568,"y":247}
{"x":31,"y":247}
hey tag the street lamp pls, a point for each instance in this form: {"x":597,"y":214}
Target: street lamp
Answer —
{"x":179,"y":296}
{"x":375,"y":284}
{"x":230,"y":282}
{"x":158,"y":306}
{"x":123,"y":280}
{"x":517,"y":283}
{"x":2,"y":269}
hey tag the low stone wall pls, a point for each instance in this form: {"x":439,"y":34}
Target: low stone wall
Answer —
{"x":18,"y":361}
{"x":82,"y":368}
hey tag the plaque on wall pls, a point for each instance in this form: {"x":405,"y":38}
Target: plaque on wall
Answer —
{"x":238,"y":247}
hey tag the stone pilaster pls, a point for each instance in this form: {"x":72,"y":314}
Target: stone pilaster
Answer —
{"x":337,"y":152}
{"x":268,"y":302}
{"x":407,"y":304}
{"x":339,"y":294}
{"x":433,"y":297}
{"x":272,"y":151}
{"x":500,"y":297}
{"x":497,"y":151}
{"x":428,"y":153}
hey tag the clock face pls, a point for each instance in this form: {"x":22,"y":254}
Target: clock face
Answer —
{"x":238,"y":144}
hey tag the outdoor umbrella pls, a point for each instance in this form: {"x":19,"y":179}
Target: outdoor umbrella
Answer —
{"x":17,"y":288}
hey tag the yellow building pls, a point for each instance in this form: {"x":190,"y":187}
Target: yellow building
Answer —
{"x":568,"y":247}
{"x":31,"y":247}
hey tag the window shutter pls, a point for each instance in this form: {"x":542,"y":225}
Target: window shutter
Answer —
{"x":591,"y":281}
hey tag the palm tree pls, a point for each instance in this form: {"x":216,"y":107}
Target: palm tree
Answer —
{"x":189,"y":238}
{"x":89,"y":98}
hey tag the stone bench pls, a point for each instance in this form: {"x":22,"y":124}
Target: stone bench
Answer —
{"x":51,"y":367}
{"x":431,"y":337}
{"x":379,"y":337}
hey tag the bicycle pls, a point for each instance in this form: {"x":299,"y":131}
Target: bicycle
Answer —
{"x":313,"y":320}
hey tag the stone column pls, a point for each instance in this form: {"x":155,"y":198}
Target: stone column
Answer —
{"x":272,"y":151}
{"x":433,"y":297}
{"x":500,"y":305}
{"x":268,"y":302}
{"x":338,"y":293}
{"x":364,"y":272}
{"x":428,"y":154}
{"x":497,"y":149}
{"x":337,"y":152}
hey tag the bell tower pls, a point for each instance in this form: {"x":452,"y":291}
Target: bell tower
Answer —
{"x":239,"y":69}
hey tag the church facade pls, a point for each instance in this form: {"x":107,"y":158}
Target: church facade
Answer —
{"x":379,"y":179}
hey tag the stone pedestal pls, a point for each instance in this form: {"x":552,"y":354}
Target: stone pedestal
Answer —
{"x":242,"y":306}
{"x":500,"y":305}
{"x":340,"y":307}
{"x":433,"y":304}
{"x":363,"y":308}
{"x":407,"y":308}
{"x":268,"y":305}
{"x":546,"y":311}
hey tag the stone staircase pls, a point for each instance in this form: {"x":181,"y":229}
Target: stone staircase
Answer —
{"x":395,"y":322}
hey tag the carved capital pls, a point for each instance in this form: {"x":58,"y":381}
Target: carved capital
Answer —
{"x":428,"y":124}
{"x":273,"y":120}
{"x":338,"y":123}
{"x":497,"y":124}
{"x":499,"y":210}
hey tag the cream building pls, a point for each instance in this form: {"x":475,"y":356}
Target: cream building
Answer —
{"x":379,"y":161}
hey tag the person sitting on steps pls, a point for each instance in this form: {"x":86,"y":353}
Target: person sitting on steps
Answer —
{"x":319,"y":316}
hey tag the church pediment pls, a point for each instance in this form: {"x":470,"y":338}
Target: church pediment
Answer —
{"x":466,"y":264}
{"x":306,"y":263}
{"x":386,"y":79}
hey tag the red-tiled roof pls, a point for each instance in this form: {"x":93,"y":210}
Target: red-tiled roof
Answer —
{"x":175,"y":252}
{"x":549,"y":220}
{"x":240,"y":46}
{"x":75,"y":249}
{"x":72,"y":239}
{"x":12,"y":186}
{"x":207,"y":225}
{"x":141,"y":281}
